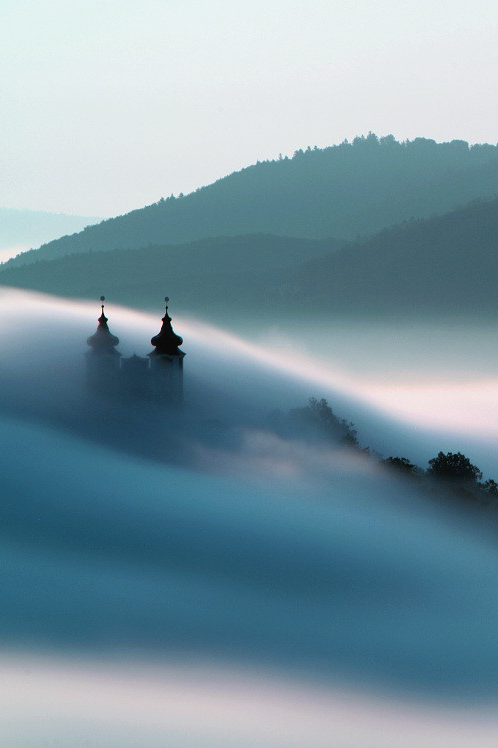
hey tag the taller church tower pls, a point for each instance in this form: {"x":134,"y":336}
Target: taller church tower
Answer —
{"x":166,"y":363}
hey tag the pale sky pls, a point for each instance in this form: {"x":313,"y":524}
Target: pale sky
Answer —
{"x":107,"y":105}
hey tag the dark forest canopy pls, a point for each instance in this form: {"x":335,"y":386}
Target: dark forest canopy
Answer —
{"x":445,"y":265}
{"x":207,"y":274}
{"x":348,"y":190}
{"x":448,"y":475}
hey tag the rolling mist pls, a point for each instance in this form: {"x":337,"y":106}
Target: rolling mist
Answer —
{"x":146,"y":549}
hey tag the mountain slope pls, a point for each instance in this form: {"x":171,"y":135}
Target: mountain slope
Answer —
{"x":446,"y":265}
{"x":342,"y":191}
{"x":204,"y":273}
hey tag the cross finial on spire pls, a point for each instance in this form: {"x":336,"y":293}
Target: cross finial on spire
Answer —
{"x":102,"y":318}
{"x":103,"y":340}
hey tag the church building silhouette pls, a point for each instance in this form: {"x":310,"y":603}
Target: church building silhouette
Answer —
{"x":158,"y":376}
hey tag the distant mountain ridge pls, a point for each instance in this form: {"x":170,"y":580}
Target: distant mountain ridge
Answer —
{"x":446,"y":265}
{"x":342,"y":191}
{"x":31,"y":228}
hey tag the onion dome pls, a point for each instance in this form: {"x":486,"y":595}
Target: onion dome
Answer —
{"x":103,"y":341}
{"x":166,"y":342}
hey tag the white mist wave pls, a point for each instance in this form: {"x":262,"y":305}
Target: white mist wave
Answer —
{"x":263,"y":575}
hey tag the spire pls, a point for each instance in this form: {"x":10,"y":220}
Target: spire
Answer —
{"x":166,"y":342}
{"x":103,"y":341}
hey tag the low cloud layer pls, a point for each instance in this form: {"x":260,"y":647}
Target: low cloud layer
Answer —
{"x":140,"y":535}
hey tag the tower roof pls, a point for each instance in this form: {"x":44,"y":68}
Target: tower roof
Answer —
{"x":166,"y":342}
{"x":103,"y":341}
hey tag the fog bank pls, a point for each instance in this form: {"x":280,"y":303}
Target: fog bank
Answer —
{"x":134,"y":536}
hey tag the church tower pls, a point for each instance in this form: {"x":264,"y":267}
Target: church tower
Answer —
{"x":166,"y":363}
{"x":103,"y":360}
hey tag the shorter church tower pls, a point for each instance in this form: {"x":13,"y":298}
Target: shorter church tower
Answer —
{"x":166,"y":363}
{"x":103,"y":360}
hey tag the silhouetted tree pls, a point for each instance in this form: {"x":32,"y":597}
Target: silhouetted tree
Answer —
{"x":315,"y":421}
{"x":490,"y":487}
{"x":322,"y":414}
{"x":454,"y":467}
{"x":401,"y":465}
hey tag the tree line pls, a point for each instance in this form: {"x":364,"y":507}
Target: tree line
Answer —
{"x":451,"y":471}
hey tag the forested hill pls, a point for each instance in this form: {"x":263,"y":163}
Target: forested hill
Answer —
{"x":446,"y":265}
{"x":342,"y":191}
{"x":206,"y":274}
